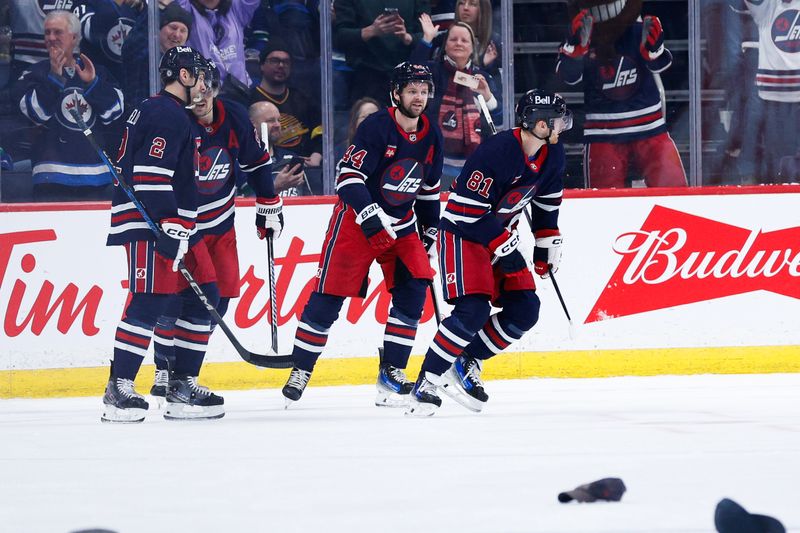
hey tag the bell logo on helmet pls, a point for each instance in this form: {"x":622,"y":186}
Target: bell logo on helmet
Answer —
{"x":182,"y":49}
{"x":541,"y":100}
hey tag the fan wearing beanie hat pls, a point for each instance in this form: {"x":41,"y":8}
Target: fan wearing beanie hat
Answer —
{"x":176,"y":25}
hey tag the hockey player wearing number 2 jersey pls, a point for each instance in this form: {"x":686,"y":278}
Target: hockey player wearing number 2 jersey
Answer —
{"x":387,"y":178}
{"x":479,"y":256}
{"x":158,"y":159}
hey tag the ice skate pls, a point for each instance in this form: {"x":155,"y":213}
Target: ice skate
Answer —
{"x":186,"y":400}
{"x":121,"y":402}
{"x":423,"y":400}
{"x":293,"y":390}
{"x":462,"y":382}
{"x":159,"y":389}
{"x":393,"y":387}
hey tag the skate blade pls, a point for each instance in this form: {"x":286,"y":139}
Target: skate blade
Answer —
{"x":160,"y":402}
{"x":287,"y":403}
{"x":391,"y":399}
{"x":182,"y":411}
{"x":122,"y":416}
{"x":454,"y":391}
{"x":419,"y":409}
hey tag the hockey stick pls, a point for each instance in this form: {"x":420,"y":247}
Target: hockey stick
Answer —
{"x":486,"y":114}
{"x":265,"y":361}
{"x":563,"y":304}
{"x":273,"y":305}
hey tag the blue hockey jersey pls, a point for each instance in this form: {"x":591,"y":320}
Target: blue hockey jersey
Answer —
{"x":63,"y":156}
{"x":104,"y":26}
{"x":229,"y":140}
{"x":158,"y":158}
{"x":620,"y":93}
{"x":394,"y":169}
{"x":498,"y":181}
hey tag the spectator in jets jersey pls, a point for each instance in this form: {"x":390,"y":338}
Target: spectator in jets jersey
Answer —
{"x":64,"y":165}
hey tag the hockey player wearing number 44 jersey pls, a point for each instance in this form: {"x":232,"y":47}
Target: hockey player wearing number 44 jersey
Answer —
{"x":479,"y":255}
{"x":387,"y":178}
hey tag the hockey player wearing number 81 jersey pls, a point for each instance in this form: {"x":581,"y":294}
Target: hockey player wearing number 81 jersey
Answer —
{"x":479,"y":255}
{"x":387,"y":178}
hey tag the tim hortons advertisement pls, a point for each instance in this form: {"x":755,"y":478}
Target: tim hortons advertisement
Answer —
{"x":636,"y":272}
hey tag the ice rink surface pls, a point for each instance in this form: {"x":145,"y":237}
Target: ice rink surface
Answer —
{"x":334,"y":462}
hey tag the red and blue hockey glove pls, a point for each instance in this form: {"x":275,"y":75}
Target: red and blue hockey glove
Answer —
{"x":547,"y":254}
{"x":269,"y":217}
{"x":377,"y":227}
{"x":173,"y":241}
{"x":652,"y":38}
{"x":508,"y":257}
{"x":580,"y":35}
{"x":429,"y":238}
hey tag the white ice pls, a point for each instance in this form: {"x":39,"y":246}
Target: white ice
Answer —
{"x":334,"y":462}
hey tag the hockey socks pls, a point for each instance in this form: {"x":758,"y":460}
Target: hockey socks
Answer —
{"x":311,"y":336}
{"x":456,"y":332}
{"x":520,"y":313}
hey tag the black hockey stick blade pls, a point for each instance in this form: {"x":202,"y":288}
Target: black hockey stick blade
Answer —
{"x":264,"y":361}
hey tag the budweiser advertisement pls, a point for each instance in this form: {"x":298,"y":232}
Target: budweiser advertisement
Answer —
{"x":638,"y":271}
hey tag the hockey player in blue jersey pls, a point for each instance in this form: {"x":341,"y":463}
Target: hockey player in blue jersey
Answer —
{"x":479,"y":256}
{"x":387,"y":178}
{"x":230,"y":140}
{"x":158,"y":159}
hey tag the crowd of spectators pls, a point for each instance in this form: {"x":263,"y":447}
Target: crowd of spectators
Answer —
{"x":92,"y":55}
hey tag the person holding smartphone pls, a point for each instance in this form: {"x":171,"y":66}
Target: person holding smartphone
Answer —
{"x":288,"y":168}
{"x":375,"y":37}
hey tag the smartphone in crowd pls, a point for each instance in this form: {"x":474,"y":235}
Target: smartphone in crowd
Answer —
{"x":391,"y":11}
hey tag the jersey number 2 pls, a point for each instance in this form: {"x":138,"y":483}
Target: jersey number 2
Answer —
{"x":477,"y":182}
{"x":357,"y":159}
{"x":157,"y":148}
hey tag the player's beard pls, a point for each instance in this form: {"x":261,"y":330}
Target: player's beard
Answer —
{"x":408,"y":112}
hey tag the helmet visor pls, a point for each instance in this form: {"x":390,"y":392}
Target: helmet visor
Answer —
{"x":562,"y":124}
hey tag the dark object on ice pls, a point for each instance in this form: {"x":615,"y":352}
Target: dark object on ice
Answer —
{"x":608,"y":489}
{"x":730,"y":517}
{"x":95,"y":531}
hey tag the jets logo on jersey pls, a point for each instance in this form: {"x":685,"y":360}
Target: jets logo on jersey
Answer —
{"x":513,"y":201}
{"x":786,"y":31}
{"x":620,"y":79}
{"x":115,"y":38}
{"x":401,"y":181}
{"x":74,"y":100}
{"x":215,"y":167}
{"x":449,"y":121}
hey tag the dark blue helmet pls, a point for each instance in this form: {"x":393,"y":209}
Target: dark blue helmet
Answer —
{"x":536,"y":105}
{"x":181,"y":57}
{"x":406,"y":73}
{"x":213,"y":78}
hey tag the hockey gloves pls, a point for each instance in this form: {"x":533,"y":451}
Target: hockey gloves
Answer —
{"x":377,"y":227}
{"x":652,"y":38}
{"x":173,"y":241}
{"x":429,"y":238}
{"x":547,"y":254}
{"x":269,"y":217}
{"x":580,"y":35}
{"x":506,"y":250}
